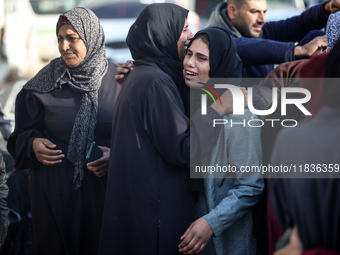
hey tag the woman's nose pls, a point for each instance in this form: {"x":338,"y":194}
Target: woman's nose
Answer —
{"x":191,"y":62}
{"x":65,"y":45}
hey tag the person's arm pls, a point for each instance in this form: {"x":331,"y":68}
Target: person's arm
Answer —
{"x":314,"y":47}
{"x":28,"y":127}
{"x":257,"y":51}
{"x":4,"y":210}
{"x":295,"y":28}
{"x":247,"y":187}
{"x":243,"y":195}
{"x":176,"y":137}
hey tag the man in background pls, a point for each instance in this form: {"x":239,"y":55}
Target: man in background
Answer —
{"x":262,"y":44}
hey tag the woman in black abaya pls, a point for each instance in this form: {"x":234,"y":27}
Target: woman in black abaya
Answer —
{"x":149,"y":203}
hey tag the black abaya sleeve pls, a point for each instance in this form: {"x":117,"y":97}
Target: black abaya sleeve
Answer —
{"x":169,"y":128}
{"x":29,"y":115}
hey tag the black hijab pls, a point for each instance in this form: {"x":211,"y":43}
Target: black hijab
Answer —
{"x":85,"y":78}
{"x":154,"y":36}
{"x":223,"y":59}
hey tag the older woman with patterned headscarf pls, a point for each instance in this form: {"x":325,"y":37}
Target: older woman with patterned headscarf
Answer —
{"x":59,"y":113}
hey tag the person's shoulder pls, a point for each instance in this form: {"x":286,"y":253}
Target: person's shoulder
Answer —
{"x":111,"y":71}
{"x":221,"y":6}
{"x":151,"y":74}
{"x":112,"y":67}
{"x":109,"y":85}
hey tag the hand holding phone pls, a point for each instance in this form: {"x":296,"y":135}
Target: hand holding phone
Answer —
{"x":94,"y":153}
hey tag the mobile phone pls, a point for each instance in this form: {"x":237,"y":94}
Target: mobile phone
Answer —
{"x":94,"y":153}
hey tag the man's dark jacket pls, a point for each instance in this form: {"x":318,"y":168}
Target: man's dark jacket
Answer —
{"x":277,"y":40}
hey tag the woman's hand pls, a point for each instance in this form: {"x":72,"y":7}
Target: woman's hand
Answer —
{"x":123,"y":71}
{"x":195,"y":237}
{"x":45,"y":152}
{"x":100,"y":166}
{"x":294,"y":247}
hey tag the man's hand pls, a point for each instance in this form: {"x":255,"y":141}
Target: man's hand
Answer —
{"x":313,"y":47}
{"x":123,"y":71}
{"x":100,"y":166}
{"x":332,"y":6}
{"x":46,"y":153}
{"x":195,"y":237}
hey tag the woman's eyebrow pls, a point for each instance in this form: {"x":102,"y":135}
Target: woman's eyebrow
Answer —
{"x":201,"y":54}
{"x":71,"y":34}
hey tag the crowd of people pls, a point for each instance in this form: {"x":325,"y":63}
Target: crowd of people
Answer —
{"x":138,"y":196}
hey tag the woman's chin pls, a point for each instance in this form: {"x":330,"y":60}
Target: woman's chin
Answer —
{"x":188,"y":83}
{"x":193,"y":83}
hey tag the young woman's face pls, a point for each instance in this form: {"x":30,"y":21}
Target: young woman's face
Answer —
{"x":196,"y":63}
{"x":71,"y":47}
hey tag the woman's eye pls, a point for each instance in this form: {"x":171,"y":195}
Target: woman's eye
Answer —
{"x":72,"y":39}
